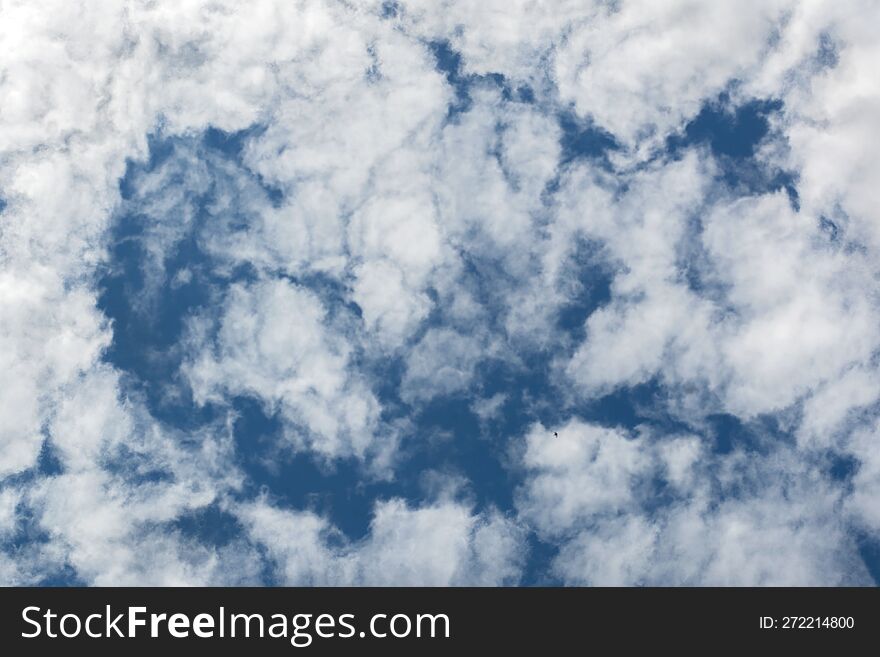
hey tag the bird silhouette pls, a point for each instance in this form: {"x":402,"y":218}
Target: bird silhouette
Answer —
{"x":556,"y":434}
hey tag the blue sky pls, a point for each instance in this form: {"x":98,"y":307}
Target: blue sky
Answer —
{"x":416,"y":295}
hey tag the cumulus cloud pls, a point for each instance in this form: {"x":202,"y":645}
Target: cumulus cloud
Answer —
{"x":50,"y":335}
{"x":272,"y":343}
{"x":441,"y":544}
{"x":612,"y":68}
{"x":779,"y":311}
{"x":594,"y":490}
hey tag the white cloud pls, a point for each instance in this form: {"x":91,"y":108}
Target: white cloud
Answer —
{"x":49,"y":336}
{"x":123,"y":482}
{"x":512,"y":37}
{"x":827,"y":411}
{"x":654,"y":317}
{"x":642,"y":68}
{"x":831,"y":116}
{"x":759,"y":542}
{"x":584,"y":470}
{"x":8,"y":501}
{"x":390,"y":309}
{"x":802,"y":314}
{"x":442,"y":363}
{"x":489,"y":408}
{"x":274,"y":342}
{"x":617,"y":553}
{"x":862,"y":445}
{"x":730,"y":520}
{"x":779,"y":311}
{"x":441,"y":544}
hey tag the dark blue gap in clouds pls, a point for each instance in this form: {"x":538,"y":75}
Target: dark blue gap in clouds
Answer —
{"x":28,"y":537}
{"x":146,"y":336}
{"x":135,"y":468}
{"x":27,"y":540}
{"x":146,"y":348}
{"x":449,"y":62}
{"x":446,"y":440}
{"x":733,"y":134}
{"x":869,"y":550}
{"x":537,"y":570}
{"x":298,"y":481}
{"x":841,"y":467}
{"x":631,"y":406}
{"x":213,"y":526}
{"x":232,"y":145}
{"x":210,"y":525}
{"x":582,"y":139}
{"x":390,"y":9}
{"x":729,"y":433}
{"x":66,"y":576}
{"x":591,"y":280}
{"x":48,"y":463}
